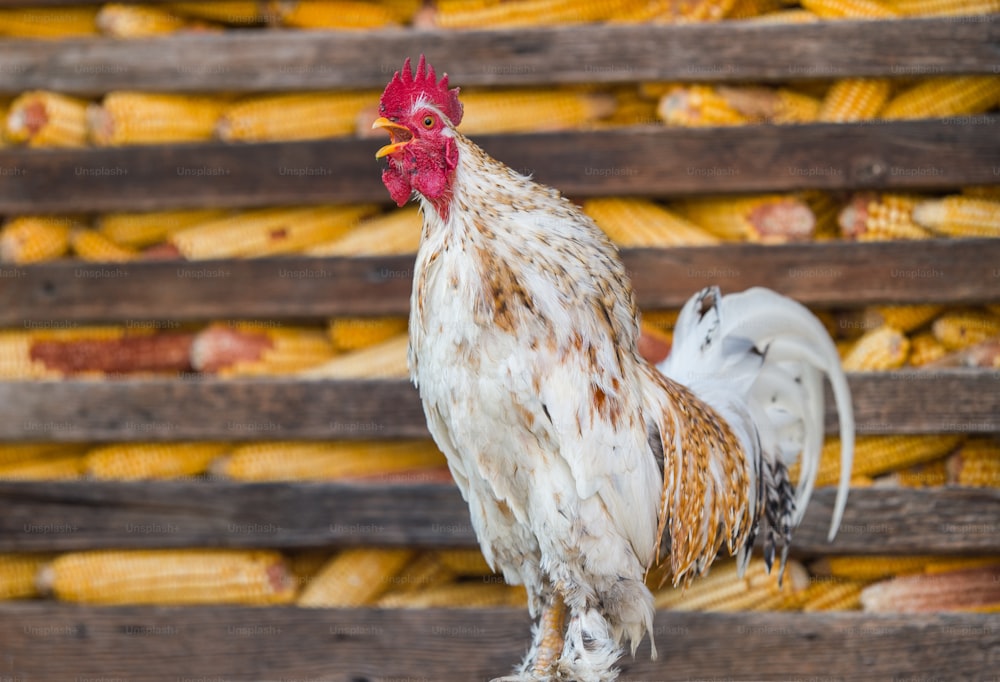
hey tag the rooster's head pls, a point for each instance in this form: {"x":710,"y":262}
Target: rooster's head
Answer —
{"x":420,"y":114}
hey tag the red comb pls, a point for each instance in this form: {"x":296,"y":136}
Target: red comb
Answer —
{"x":405,"y":87}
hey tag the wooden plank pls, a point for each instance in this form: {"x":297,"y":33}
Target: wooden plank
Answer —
{"x":920,"y":401}
{"x":54,"y":641}
{"x":304,"y":60}
{"x":65,"y":293}
{"x":650,"y":160}
{"x":68,"y":515}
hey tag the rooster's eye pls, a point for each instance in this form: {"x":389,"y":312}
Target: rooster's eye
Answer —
{"x":428,"y":121}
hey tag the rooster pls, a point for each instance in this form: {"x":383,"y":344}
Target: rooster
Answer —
{"x":588,"y":471}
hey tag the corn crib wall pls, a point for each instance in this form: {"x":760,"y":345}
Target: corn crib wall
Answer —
{"x":53,"y":640}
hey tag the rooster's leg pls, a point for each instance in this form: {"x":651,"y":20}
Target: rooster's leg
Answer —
{"x":550,"y":637}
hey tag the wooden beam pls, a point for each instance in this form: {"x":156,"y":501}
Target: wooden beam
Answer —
{"x":823,"y":274}
{"x":306,"y":60}
{"x":917,"y":401}
{"x":55,"y":641}
{"x":68,"y":515}
{"x":647,"y":161}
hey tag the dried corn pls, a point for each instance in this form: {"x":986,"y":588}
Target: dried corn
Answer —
{"x":47,"y":119}
{"x":771,"y":105}
{"x":878,"y":350}
{"x":974,"y":589}
{"x":16,"y":362}
{"x":334,"y":14}
{"x":18,"y":573}
{"x":142,"y":352}
{"x":945,"y":96}
{"x":138,"y":21}
{"x":464,"y":562}
{"x":30,"y":239}
{"x":639,"y":222}
{"x":960,"y":216}
{"x":14,"y":453}
{"x":146,"y":228}
{"x":135,"y":461}
{"x":825,"y":209}
{"x":45,"y":22}
{"x":457,"y":595}
{"x":944,"y":7}
{"x":787,"y":16}
{"x":768,"y":218}
{"x":977,"y":463}
{"x":745,"y":9}
{"x":233,"y":12}
{"x":722,"y":589}
{"x":925,"y":475}
{"x":869,"y":567}
{"x":512,"y":111}
{"x":875,"y":455}
{"x":525,"y":13}
{"x":695,"y":106}
{"x":125,"y":118}
{"x":355,"y":577}
{"x":424,"y":572}
{"x":832,"y":595}
{"x":397,"y":232}
{"x":958,"y":329}
{"x":91,"y":245}
{"x":354,"y":333}
{"x":991,"y":192}
{"x":849,"y":9}
{"x":905,"y":318}
{"x":57,"y":467}
{"x":384,"y":360}
{"x":298,"y":116}
{"x":870,"y":217}
{"x":855,"y":99}
{"x":925,"y":349}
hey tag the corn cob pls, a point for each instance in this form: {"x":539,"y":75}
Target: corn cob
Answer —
{"x":977,"y":463}
{"x":832,"y":595}
{"x":125,"y":118}
{"x":298,"y":116}
{"x":144,"y":352}
{"x":944,"y":7}
{"x":787,"y":16}
{"x":47,"y":119}
{"x":355,"y":577}
{"x":290,"y":461}
{"x":384,"y":360}
{"x":849,"y":9}
{"x":945,"y":96}
{"x":724,"y":590}
{"x":15,"y":359}
{"x":631,"y":108}
{"x":30,"y":239}
{"x":91,"y":245}
{"x":424,"y":572}
{"x":871,"y":217}
{"x":825,"y":209}
{"x":925,"y":349}
{"x":56,"y":467}
{"x":135,"y":461}
{"x":403,"y":10}
{"x":354,"y":333}
{"x":233,"y":12}
{"x":905,"y":318}
{"x":457,"y":595}
{"x":929,"y":474}
{"x":958,"y":329}
{"x":170,"y":576}
{"x":869,"y":567}
{"x":526,"y":13}
{"x":745,"y":9}
{"x":511,"y":111}
{"x":855,"y":99}
{"x":14,"y":453}
{"x":306,"y":565}
{"x":44,"y":22}
{"x":875,"y":455}
{"x":695,"y":106}
{"x":973,"y":589}
{"x":138,"y":21}
{"x":268,"y":231}
{"x":397,"y":232}
{"x":947,"y":564}
{"x":960,"y":216}
{"x":639,"y":222}
{"x":983,"y":354}
{"x":664,"y":320}
{"x":74,"y":333}
{"x":333,"y":15}
{"x":654,"y":343}
{"x":772,"y":105}
{"x":18,"y":573}
{"x":767,"y":218}
{"x":142,"y":229}
{"x":245,"y":349}
{"x":464,"y":562}
{"x":991,"y":192}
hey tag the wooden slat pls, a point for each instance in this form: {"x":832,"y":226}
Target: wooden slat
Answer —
{"x":919,"y":401}
{"x":67,"y":516}
{"x":296,"y":60}
{"x":904,"y":155}
{"x":53,"y":641}
{"x":65,"y":293}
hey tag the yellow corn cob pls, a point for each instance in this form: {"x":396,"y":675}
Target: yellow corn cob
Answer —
{"x":125,"y":118}
{"x":639,"y":222}
{"x":424,"y":572}
{"x":662,"y":319}
{"x":944,"y":7}
{"x":298,"y":116}
{"x":334,"y":15}
{"x":849,"y":9}
{"x":91,"y":245}
{"x":925,"y":348}
{"x":773,"y":105}
{"x":468,"y":563}
{"x":878,"y":350}
{"x":855,"y":99}
{"x":825,"y":209}
{"x":787,"y":16}
{"x":947,"y":564}
{"x":511,"y":111}
{"x":235,"y":12}
{"x":289,"y":461}
{"x":47,"y":119}
{"x":945,"y":96}
{"x":13,"y":453}
{"x":307,"y":564}
{"x":833,"y":595}
{"x":880,"y":217}
{"x":138,"y":21}
{"x":355,"y":577}
{"x":875,"y":455}
{"x":403,"y":10}
{"x":73,"y":333}
{"x":18,"y":573}
{"x":50,"y":468}
{"x":869,"y":567}
{"x":267,"y":231}
{"x":991,"y":192}
{"x":524,"y":13}
{"x":977,"y":463}
{"x":767,"y":218}
{"x":146,"y":228}
{"x":960,"y":216}
{"x":283,"y":358}
{"x":44,"y":22}
{"x":959,"y":329}
{"x":724,"y":590}
{"x":972,"y":589}
{"x":925,"y":475}
{"x":15,"y":359}
{"x":353,"y":333}
{"x":457,"y":595}
{"x":745,"y":9}
{"x":383,"y":360}
{"x":30,"y":239}
{"x":905,"y":318}
{"x":397,"y":232}
{"x":695,"y":106}
{"x":170,"y":576}
{"x":133,"y":461}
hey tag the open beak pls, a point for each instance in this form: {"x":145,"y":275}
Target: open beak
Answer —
{"x":400,"y":135}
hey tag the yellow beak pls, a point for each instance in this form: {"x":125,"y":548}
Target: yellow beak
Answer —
{"x":394,"y":130}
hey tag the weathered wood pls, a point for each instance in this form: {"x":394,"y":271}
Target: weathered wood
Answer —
{"x":647,"y":160}
{"x":919,"y":401}
{"x":304,"y":60}
{"x":54,"y":641}
{"x":823,"y":274}
{"x":65,"y":516}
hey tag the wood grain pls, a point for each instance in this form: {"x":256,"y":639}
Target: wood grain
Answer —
{"x":306,"y":60}
{"x":824,"y":274}
{"x":54,"y":641}
{"x":648,"y":160}
{"x":66,"y":516}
